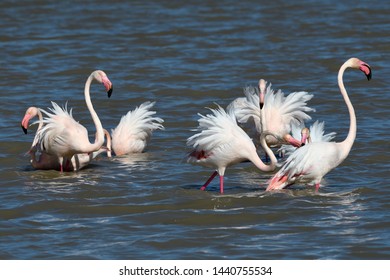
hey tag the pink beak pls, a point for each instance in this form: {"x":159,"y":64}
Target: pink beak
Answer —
{"x":25,"y":121}
{"x":303,"y":138}
{"x":294,"y":142}
{"x":261,"y":97}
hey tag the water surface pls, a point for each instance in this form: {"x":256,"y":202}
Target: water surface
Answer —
{"x":186,"y":57}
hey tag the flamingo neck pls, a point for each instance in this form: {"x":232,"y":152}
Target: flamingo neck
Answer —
{"x":99,"y":139}
{"x":258,"y":162}
{"x":40,"y":125}
{"x":262,"y":119}
{"x":40,"y":118}
{"x":348,"y":142}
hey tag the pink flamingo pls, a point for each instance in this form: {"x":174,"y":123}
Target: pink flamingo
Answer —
{"x":310,"y":163}
{"x":63,"y":136}
{"x":39,"y":158}
{"x":221,"y":143}
{"x":42,"y":160}
{"x":135,"y":129}
{"x":274,"y":112}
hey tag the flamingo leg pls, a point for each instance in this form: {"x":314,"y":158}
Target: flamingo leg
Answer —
{"x":209,"y":180}
{"x":317,"y":186}
{"x":221,"y":184}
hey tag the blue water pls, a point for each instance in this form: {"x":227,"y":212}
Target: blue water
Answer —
{"x":186,"y":56}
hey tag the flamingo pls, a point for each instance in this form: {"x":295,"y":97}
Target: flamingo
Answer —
{"x":135,"y":129}
{"x":39,"y":158}
{"x":310,"y":163}
{"x":220,"y":143}
{"x":63,"y":136}
{"x":307,"y":135}
{"x":42,"y":160}
{"x":274,"y":112}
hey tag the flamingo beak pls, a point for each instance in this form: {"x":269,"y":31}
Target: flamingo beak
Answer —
{"x":261,"y":97}
{"x":109,"y":92}
{"x":303,"y":139}
{"x":108,"y":85}
{"x":24,"y":123}
{"x":366,"y":69}
{"x":24,"y":129}
{"x":292,"y":141}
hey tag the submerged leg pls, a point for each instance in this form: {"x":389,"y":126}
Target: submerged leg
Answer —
{"x":209,"y":180}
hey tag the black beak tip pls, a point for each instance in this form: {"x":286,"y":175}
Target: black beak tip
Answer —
{"x":24,"y":129}
{"x":261,"y":105}
{"x":369,"y":76}
{"x":109,"y":92}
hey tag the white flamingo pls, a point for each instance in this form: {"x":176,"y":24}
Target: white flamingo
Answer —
{"x":274,"y":112}
{"x":42,"y":160}
{"x":135,"y":129}
{"x":310,"y":163}
{"x":39,"y":159}
{"x":220,"y":143}
{"x":63,"y":136}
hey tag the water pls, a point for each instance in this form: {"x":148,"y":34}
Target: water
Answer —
{"x":185,"y":57}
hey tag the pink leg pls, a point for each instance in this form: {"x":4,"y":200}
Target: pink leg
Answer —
{"x":209,"y":180}
{"x":317,"y":187}
{"x":221,"y":184}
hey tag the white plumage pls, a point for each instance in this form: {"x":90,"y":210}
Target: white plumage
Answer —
{"x":316,"y":134}
{"x":310,"y":163}
{"x":220,"y":142}
{"x":135,"y":129}
{"x":277,"y":114}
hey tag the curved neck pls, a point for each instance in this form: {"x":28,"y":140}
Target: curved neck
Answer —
{"x":40,"y":118}
{"x":258,"y":162}
{"x":99,"y":139}
{"x":348,"y":142}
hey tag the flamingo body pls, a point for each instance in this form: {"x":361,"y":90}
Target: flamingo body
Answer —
{"x":62,"y":136}
{"x":313,"y":161}
{"x":40,"y":159}
{"x":135,"y":129}
{"x":278,"y":112}
{"x":220,"y":143}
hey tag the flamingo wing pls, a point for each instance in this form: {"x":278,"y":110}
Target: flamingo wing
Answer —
{"x":134,"y":129}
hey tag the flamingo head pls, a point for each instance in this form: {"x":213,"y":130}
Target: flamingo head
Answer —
{"x":305,"y":135}
{"x":30,"y":113}
{"x":362,"y":66}
{"x":262,"y":85}
{"x":102,"y":78}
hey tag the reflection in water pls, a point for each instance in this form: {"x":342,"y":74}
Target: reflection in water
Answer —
{"x":133,"y":161}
